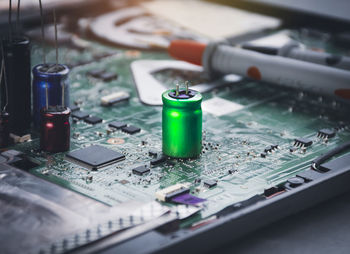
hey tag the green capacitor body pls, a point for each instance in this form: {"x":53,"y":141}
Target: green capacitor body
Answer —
{"x":182,"y":124}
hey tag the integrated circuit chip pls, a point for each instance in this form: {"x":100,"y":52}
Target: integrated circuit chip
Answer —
{"x":302,"y":142}
{"x":95,"y":156}
{"x":131,"y":129}
{"x":326,"y":133}
{"x":117,"y":125}
{"x":74,"y":108}
{"x":96,"y":73}
{"x":93,"y":120}
{"x":210,"y":183}
{"x":80,"y":115}
{"x":158,"y":160}
{"x":108,"y":76}
{"x":141,"y":170}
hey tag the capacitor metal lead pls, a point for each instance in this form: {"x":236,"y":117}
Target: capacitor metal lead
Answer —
{"x":182,"y":123}
{"x":54,"y":76}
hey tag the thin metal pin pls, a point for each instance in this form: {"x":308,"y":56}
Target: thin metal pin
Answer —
{"x":47,"y":95}
{"x":42,"y":31}
{"x":10,"y":20}
{"x":5,"y":78}
{"x":55,"y":24}
{"x":63,"y":94}
{"x":186,"y":84}
{"x":17,"y":18}
{"x":177,"y":89}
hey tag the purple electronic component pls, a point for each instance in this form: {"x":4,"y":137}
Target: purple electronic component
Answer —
{"x":188,"y":199}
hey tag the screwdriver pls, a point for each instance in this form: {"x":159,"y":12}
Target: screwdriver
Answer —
{"x":219,"y":58}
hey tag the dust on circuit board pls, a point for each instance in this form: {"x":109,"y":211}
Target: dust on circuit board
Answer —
{"x":244,"y":152}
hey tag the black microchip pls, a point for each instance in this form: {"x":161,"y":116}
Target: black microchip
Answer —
{"x":304,"y":142}
{"x":117,"y":125}
{"x":108,"y":76}
{"x":95,"y":156}
{"x":210,"y":183}
{"x":141,"y":170}
{"x":268,"y":149}
{"x":160,"y":159}
{"x":80,"y":115}
{"x":93,"y":120}
{"x":326,"y":133}
{"x":131,"y":129}
{"x":152,"y":153}
{"x":95,"y":73}
{"x":74,"y":108}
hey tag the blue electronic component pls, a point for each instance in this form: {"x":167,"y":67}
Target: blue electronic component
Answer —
{"x":55,"y":76}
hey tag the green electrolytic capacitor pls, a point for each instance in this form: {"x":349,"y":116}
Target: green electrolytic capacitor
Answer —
{"x":182,"y":123}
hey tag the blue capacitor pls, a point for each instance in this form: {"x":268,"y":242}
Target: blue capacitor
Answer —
{"x":55,"y":77}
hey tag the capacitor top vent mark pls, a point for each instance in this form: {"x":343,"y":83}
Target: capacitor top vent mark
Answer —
{"x":182,"y":123}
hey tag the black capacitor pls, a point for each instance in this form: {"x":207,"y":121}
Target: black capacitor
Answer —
{"x":18,"y":74}
{"x":55,"y":129}
{"x":4,"y":129}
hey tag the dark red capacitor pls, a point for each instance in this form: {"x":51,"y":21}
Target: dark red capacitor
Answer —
{"x":55,"y":129}
{"x":4,"y":129}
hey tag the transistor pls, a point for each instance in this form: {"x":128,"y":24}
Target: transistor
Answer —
{"x":326,"y":133}
{"x":302,"y":142}
{"x":270,"y":148}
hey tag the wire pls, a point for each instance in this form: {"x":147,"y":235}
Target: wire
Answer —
{"x":319,"y":160}
{"x":10,"y":20}
{"x":55,"y":24}
{"x":3,"y":72}
{"x":42,"y":31}
{"x":47,"y":95}
{"x":17,"y":18}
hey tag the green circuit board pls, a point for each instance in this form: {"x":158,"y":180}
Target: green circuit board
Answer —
{"x":232,"y":143}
